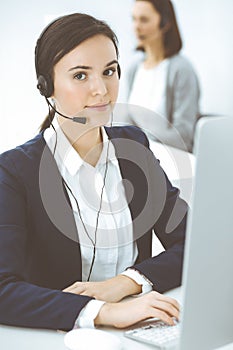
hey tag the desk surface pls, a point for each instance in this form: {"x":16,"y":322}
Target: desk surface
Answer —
{"x":27,"y":339}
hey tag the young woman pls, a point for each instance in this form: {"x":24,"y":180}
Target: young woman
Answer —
{"x":162,"y":80}
{"x":80,"y":200}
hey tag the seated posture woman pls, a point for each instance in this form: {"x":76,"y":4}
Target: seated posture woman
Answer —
{"x":80,"y":200}
{"x":161,"y":81}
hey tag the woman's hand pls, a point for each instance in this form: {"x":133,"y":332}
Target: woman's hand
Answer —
{"x":127,"y":313}
{"x":111,"y":290}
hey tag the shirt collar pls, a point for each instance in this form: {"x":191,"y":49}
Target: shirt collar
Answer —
{"x":65,"y":155}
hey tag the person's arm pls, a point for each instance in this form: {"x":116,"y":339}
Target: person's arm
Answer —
{"x":23,"y":303}
{"x":153,"y":304}
{"x":111,"y":290}
{"x":183,"y":94}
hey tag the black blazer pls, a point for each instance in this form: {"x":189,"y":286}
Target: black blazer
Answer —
{"x":39,"y":252}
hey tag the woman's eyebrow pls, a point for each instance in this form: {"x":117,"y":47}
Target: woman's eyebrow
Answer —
{"x":80,"y":67}
{"x":112,"y":62}
{"x":88,"y":67}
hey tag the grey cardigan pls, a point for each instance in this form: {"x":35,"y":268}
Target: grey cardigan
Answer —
{"x":182,"y":104}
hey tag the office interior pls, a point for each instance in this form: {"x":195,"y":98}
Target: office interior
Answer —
{"x":206,"y":28}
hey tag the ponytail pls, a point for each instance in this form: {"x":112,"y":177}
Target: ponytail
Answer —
{"x":48,"y":120}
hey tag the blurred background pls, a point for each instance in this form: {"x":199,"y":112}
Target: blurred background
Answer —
{"x":206,"y":28}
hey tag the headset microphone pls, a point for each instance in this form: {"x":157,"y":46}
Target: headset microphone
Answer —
{"x":81,"y":120}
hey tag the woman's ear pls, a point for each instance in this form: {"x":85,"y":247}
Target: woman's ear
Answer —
{"x":165,"y":28}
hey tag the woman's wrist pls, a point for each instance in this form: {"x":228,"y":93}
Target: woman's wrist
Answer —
{"x":104,"y":316}
{"x":110,"y":314}
{"x":128,"y":285}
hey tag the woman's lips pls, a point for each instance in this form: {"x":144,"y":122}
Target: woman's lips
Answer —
{"x":99,"y":107}
{"x":141,"y":37}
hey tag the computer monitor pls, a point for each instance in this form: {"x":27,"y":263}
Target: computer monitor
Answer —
{"x":207,"y":317}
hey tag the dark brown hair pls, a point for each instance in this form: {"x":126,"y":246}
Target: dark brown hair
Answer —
{"x":172,"y":41}
{"x":62,"y":36}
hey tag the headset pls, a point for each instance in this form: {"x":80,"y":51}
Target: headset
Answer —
{"x":45,"y":81}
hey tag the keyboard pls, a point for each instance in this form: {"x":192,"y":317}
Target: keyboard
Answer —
{"x":156,"y":333}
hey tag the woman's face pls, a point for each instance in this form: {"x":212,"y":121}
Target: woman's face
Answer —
{"x":86,"y":82}
{"x":146,"y":22}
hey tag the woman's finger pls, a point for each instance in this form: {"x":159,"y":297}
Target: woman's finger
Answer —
{"x":77,"y":288}
{"x":163,"y":316}
{"x":167,"y":299}
{"x":166,"y":307}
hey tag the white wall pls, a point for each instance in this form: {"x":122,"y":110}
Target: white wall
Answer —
{"x":206,"y":28}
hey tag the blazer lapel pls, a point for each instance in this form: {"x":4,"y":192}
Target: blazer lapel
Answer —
{"x":132,"y":162}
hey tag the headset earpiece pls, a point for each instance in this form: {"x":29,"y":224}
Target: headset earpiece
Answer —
{"x":45,"y":86}
{"x":119,"y":71}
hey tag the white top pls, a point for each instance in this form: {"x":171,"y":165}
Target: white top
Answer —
{"x":115,"y":249}
{"x":149,"y":87}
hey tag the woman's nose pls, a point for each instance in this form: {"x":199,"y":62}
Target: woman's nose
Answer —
{"x":136,"y":26}
{"x":98,"y":86}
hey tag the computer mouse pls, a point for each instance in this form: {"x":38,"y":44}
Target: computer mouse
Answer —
{"x":91,"y":339}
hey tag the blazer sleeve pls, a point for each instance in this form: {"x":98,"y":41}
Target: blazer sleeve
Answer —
{"x":165,"y":269}
{"x":22,"y":303}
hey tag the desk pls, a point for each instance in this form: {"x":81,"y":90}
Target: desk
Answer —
{"x":12,"y":338}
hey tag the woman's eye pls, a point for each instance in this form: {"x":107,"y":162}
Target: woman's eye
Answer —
{"x":109,"y":72}
{"x":80,"y":76}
